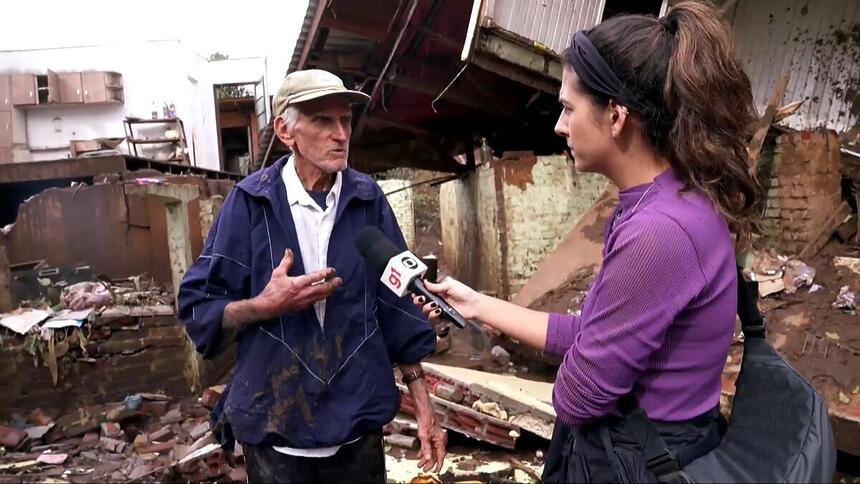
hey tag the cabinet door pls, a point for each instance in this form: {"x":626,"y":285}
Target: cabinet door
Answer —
{"x":71,"y":90}
{"x":6,"y":129}
{"x":5,"y":94}
{"x":23,"y":89}
{"x":53,"y":87}
{"x":94,"y":87}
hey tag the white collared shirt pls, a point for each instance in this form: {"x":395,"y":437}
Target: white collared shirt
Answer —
{"x":313,"y":229}
{"x":313,"y":224}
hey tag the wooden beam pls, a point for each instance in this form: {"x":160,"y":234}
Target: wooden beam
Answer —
{"x":312,"y":34}
{"x":763,"y":126}
{"x":520,"y":55}
{"x":370,"y":32}
{"x":452,"y":96}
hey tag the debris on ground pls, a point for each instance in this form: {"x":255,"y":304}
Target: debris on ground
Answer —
{"x":846,"y":300}
{"x":115,"y":443}
{"x":777,"y":273}
{"x":488,"y":407}
{"x":85,"y":295}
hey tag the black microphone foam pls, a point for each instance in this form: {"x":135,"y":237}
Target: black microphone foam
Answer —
{"x":374,"y":246}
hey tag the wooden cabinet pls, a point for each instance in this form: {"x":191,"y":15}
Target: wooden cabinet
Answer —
{"x":71,"y":87}
{"x":100,"y":87}
{"x":53,"y":88}
{"x":5,"y":129}
{"x":23,"y":87}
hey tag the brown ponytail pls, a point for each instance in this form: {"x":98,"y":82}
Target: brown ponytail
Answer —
{"x":697,"y":106}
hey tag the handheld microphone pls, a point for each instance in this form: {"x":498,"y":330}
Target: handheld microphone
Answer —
{"x":401,"y":270}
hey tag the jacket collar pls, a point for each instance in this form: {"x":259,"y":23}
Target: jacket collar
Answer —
{"x":268,"y":183}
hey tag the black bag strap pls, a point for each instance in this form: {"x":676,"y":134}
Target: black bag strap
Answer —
{"x":752,"y":322}
{"x":659,"y":459}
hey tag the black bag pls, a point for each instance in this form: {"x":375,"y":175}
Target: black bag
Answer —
{"x":779,"y":429}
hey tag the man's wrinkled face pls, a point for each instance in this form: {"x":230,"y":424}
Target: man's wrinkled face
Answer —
{"x":321,"y":132}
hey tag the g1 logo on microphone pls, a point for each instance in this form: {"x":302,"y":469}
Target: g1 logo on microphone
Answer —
{"x":401,"y":270}
{"x":394,"y":278}
{"x":409,"y":262}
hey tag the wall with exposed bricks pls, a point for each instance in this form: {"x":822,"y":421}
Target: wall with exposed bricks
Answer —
{"x":803,"y":190}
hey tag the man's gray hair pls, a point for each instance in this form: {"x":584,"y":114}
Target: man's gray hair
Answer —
{"x":291,"y":117}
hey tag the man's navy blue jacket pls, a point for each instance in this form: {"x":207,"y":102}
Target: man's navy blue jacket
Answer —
{"x":294,"y":383}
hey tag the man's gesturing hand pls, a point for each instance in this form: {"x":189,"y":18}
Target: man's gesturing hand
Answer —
{"x":284,"y":294}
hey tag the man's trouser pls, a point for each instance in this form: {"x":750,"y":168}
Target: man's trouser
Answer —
{"x":360,"y":461}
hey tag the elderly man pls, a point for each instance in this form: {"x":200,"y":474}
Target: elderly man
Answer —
{"x":317,"y":334}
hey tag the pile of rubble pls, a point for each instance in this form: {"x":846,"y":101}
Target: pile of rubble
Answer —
{"x":777,"y":274}
{"x":146,"y":438}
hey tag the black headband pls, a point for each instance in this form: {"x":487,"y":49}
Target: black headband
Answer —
{"x":595,"y":73}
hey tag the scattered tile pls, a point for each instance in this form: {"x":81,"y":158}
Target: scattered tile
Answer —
{"x":52,"y":459}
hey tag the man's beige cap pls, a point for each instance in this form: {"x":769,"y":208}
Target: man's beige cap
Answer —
{"x":301,"y":86}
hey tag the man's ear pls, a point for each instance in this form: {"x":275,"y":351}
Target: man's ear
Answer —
{"x":281,"y":131}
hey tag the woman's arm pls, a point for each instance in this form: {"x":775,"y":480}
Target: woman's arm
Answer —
{"x":542,"y":331}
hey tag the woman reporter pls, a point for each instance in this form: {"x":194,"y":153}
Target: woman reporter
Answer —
{"x":660,"y":107}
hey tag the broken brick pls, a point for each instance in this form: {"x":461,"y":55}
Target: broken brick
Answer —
{"x":210,"y":397}
{"x":162,"y":435}
{"x":90,"y":439}
{"x":112,"y":430}
{"x":112,"y":445}
{"x":11,"y":438}
{"x":172,"y":417}
{"x":141,"y":441}
{"x":199,"y":430}
{"x":156,"y":409}
{"x":38,"y":417}
{"x":158,"y":448}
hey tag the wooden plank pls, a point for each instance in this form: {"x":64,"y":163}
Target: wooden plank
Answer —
{"x":764,"y":123}
{"x":59,"y":169}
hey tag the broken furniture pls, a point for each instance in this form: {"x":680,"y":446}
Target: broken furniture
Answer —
{"x":90,"y":147}
{"x":177,"y":141}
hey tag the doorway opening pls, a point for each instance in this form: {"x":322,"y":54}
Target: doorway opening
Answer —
{"x":239,"y":108}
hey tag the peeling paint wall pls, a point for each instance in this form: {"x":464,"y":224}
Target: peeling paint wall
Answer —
{"x":496,"y":243}
{"x":402,"y":205}
{"x":117,"y":234}
{"x":543,"y":210}
{"x":818,"y":42}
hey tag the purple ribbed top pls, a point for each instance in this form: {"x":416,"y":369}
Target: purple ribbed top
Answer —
{"x":660,"y":315}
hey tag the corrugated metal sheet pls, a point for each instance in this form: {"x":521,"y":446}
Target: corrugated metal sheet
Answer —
{"x":304,"y":34}
{"x":550,"y":22}
{"x":818,"y":42}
